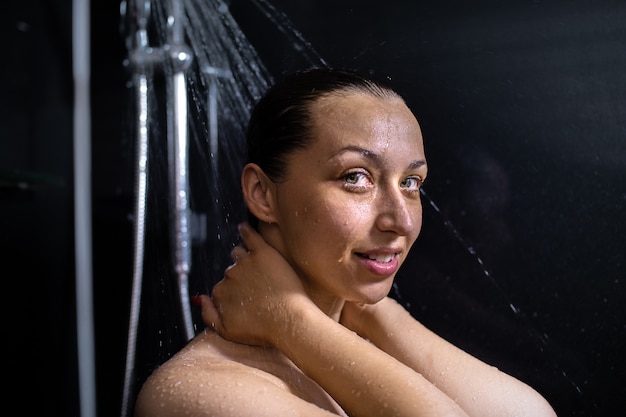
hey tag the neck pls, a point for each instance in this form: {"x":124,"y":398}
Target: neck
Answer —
{"x":331,"y":305}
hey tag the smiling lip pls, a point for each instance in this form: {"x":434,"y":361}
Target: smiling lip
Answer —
{"x":380,"y":263}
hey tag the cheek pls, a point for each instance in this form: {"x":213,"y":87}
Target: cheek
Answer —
{"x":332,"y":221}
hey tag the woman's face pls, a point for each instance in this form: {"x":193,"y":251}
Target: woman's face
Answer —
{"x":350,"y":207}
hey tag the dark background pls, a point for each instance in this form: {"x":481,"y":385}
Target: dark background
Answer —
{"x":523,"y":110}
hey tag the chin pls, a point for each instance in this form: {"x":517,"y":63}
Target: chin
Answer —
{"x":374,"y":293}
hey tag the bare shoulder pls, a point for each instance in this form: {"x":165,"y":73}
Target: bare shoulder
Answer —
{"x":213,"y":377}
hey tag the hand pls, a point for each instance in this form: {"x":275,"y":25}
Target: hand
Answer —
{"x":258,"y":297}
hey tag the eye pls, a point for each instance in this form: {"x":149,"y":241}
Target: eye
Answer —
{"x":356,"y":180}
{"x":412,"y":183}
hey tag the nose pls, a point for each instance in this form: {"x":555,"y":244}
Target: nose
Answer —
{"x":399,"y":213}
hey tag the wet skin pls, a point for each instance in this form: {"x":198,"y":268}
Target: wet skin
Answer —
{"x":349,"y":210}
{"x":303,"y":325}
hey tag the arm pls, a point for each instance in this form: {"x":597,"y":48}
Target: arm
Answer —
{"x":480,"y":389}
{"x":251,"y":306}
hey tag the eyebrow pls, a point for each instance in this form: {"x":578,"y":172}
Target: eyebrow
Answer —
{"x":374,"y":156}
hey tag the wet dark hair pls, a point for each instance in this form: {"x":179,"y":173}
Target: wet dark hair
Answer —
{"x":282,"y":120}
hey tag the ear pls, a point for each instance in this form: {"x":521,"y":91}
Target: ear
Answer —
{"x":258,"y":193}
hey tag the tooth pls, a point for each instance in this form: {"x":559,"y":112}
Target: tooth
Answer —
{"x":382,"y":259}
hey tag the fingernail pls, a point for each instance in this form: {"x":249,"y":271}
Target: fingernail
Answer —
{"x":196,"y":300}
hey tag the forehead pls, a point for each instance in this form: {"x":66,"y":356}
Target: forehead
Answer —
{"x":356,"y":118}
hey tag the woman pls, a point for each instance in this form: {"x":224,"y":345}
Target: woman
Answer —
{"x":301,"y":324}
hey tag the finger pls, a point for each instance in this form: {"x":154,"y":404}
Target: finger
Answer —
{"x":238,"y":252}
{"x":251,"y":239}
{"x":210,"y":315}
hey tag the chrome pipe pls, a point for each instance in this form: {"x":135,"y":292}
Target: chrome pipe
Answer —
{"x":179,"y":171}
{"x":82,"y":208}
{"x":141,"y":192}
{"x":174,"y":58}
{"x":212,"y":109}
{"x":143,"y":59}
{"x":179,"y":60}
